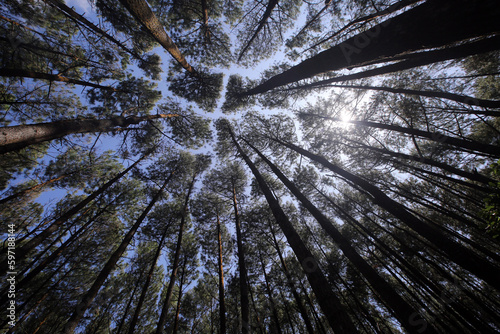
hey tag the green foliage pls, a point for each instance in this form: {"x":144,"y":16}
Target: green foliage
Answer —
{"x":491,"y":212}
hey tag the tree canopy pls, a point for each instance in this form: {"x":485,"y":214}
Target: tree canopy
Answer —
{"x":228,"y":166}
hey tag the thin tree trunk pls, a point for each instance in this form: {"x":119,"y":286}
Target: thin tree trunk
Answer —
{"x":222,"y":300}
{"x":16,"y":137}
{"x":89,"y":25}
{"x":39,"y":238}
{"x":19,"y":73}
{"x":470,"y":261}
{"x":314,"y":18}
{"x":89,"y":296}
{"x":433,"y":24}
{"x":270,"y":296}
{"x":143,"y":13}
{"x":337,"y":317}
{"x":129,"y":304}
{"x":142,"y":297}
{"x":471,"y":176}
{"x":466,"y":144}
{"x":406,"y":315}
{"x":204,"y":9}
{"x":32,"y":189}
{"x":469,"y":100}
{"x":244,"y":301}
{"x":298,"y":300}
{"x":267,"y":14}
{"x":175,"y":265}
{"x":178,"y":308}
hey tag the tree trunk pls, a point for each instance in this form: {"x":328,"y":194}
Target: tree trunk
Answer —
{"x":31,"y":189}
{"x":270,"y":296}
{"x":298,"y":300}
{"x":469,"y":100}
{"x":129,"y":304}
{"x":89,"y":25}
{"x":433,"y":24}
{"x":267,"y":14}
{"x":8,"y":72}
{"x":143,"y":13}
{"x":401,"y":309}
{"x":204,"y":9}
{"x":138,"y":308}
{"x":466,"y":144}
{"x":471,"y":176}
{"x":244,"y":302}
{"x":222,"y":300}
{"x":456,"y":252}
{"x":13,"y":138}
{"x":330,"y":304}
{"x":87,"y":299}
{"x":38,"y":239}
{"x":175,"y":265}
{"x":178,"y":308}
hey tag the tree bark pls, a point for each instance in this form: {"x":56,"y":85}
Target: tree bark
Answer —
{"x":433,"y":24}
{"x":330,"y":304}
{"x":9,"y":73}
{"x":16,"y":137}
{"x":143,"y":13}
{"x":406,"y":315}
{"x":89,"y":296}
{"x":457,"y":253}
{"x":175,"y":265}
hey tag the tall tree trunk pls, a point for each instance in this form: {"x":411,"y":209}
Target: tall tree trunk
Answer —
{"x":129,"y":303}
{"x":270,"y":296}
{"x":409,"y":61}
{"x":433,"y":24}
{"x":470,"y":261}
{"x":222,"y":300}
{"x":19,"y":73}
{"x":465,"y":144}
{"x":471,"y":176}
{"x":178,"y":308}
{"x":142,"y":297}
{"x":143,"y":13}
{"x":175,"y":265}
{"x":406,"y":315}
{"x":244,"y":301}
{"x":13,"y":138}
{"x":32,"y":189}
{"x":330,"y":304}
{"x":89,"y":25}
{"x":298,"y":300}
{"x":267,"y":14}
{"x":204,"y":10}
{"x":39,"y":238}
{"x":314,"y":18}
{"x":469,"y":100}
{"x":87,"y":299}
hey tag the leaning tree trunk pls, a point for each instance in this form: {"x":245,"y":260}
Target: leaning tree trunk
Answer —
{"x":334,"y":311}
{"x":87,"y":299}
{"x":8,"y":72}
{"x":433,"y":24}
{"x":13,"y":138}
{"x":406,"y":315}
{"x":39,"y":238}
{"x":143,"y":13}
{"x":270,"y":296}
{"x":464,"y":144}
{"x":129,"y":303}
{"x":462,"y":256}
{"x":175,"y":265}
{"x":31,"y":189}
{"x":267,"y":14}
